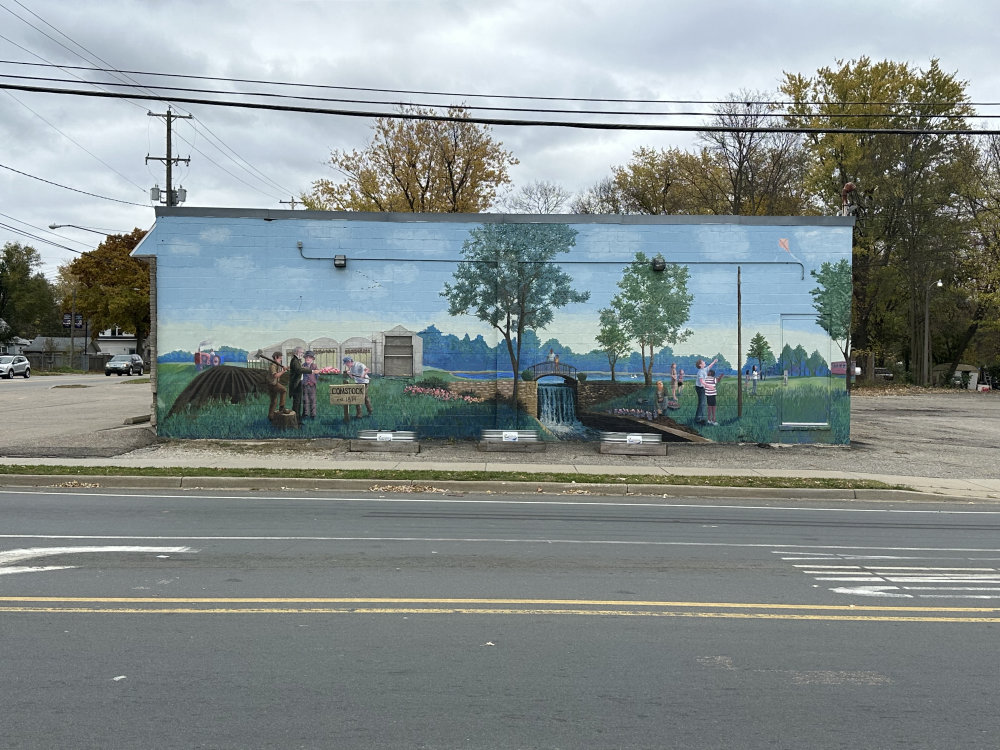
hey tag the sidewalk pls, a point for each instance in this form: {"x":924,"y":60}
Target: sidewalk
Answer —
{"x":682,"y":461}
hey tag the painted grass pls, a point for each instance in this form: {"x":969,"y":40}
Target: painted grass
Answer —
{"x":393,"y":410}
{"x":760,"y":422}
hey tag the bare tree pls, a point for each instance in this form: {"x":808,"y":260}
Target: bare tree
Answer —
{"x":538,"y":197}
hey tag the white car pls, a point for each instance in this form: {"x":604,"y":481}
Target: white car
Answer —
{"x":14,"y":364}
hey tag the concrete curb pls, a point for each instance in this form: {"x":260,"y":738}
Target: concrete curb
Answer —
{"x":580,"y":490}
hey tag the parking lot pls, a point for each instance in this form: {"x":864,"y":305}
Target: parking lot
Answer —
{"x":917,"y":433}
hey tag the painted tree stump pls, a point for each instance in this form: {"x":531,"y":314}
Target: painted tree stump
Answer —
{"x":285,"y":420}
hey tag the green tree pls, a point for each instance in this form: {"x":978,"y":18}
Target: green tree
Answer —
{"x":760,"y":350}
{"x":508,"y":279}
{"x":905,"y":186}
{"x":653,"y":306}
{"x":977,"y":307}
{"x":27,"y":299}
{"x":612,"y":338}
{"x":113,"y":287}
{"x":832,"y":302}
{"x":417,"y":165}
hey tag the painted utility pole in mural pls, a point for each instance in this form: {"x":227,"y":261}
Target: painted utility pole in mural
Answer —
{"x":653,"y":305}
{"x":508,"y":279}
{"x":832,"y":300}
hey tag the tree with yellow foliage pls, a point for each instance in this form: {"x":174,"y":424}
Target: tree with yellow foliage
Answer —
{"x":415,"y":163}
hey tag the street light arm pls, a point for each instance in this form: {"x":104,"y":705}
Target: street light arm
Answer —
{"x":85,"y":229}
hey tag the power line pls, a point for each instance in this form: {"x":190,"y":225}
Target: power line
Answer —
{"x":124,"y":76}
{"x":35,"y":237}
{"x":541,"y":110}
{"x":75,"y":190}
{"x":468,"y":95}
{"x":510,"y":121}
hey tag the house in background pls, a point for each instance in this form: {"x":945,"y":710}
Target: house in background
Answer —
{"x":54,"y":352}
{"x":14,"y":346}
{"x":118,"y":341}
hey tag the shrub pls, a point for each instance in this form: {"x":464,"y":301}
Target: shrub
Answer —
{"x":581,"y":376}
{"x":432,"y":383}
{"x":527,"y":375}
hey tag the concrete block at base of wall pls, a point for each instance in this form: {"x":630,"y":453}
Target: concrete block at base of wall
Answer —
{"x":384,"y":446}
{"x":491,"y":446}
{"x":636,"y":449}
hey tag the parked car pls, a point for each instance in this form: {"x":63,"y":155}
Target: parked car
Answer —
{"x":14,"y":364}
{"x":882,"y":373}
{"x":125,"y":364}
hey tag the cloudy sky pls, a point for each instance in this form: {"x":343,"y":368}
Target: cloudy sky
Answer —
{"x":68,"y":159}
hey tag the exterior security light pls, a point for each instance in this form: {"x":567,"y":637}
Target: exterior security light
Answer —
{"x":340,"y":261}
{"x":659,"y":265}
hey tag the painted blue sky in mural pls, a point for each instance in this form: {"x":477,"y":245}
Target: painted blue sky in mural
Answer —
{"x":246,"y":282}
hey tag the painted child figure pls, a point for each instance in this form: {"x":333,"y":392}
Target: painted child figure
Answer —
{"x":711,"y":389}
{"x":309,"y":386}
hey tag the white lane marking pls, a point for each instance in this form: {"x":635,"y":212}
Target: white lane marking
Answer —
{"x":892,"y":591}
{"x":499,"y":501}
{"x":951,"y":588}
{"x":28,"y":569}
{"x":897,"y":575}
{"x":8,"y":557}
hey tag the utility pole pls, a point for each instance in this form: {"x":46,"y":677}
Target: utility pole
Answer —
{"x":293,"y":203}
{"x":169,"y":196}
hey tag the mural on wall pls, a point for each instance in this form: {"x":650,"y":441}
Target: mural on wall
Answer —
{"x":322,"y":325}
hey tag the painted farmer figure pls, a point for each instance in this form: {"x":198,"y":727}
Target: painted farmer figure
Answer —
{"x":358,"y":372}
{"x":309,"y":386}
{"x":699,"y":388}
{"x":274,"y":386}
{"x":295,"y":379}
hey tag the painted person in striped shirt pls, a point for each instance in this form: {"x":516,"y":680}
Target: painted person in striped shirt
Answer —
{"x":711,"y":389}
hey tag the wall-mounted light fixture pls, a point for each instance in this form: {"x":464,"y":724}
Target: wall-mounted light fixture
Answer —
{"x":340,"y":261}
{"x":658,"y":264}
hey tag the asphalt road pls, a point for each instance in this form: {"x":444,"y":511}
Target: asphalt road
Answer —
{"x":309,"y":621}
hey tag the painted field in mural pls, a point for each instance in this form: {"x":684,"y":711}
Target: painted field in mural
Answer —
{"x":308,"y":324}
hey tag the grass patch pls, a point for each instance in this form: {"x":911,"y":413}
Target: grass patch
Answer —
{"x":458,"y":476}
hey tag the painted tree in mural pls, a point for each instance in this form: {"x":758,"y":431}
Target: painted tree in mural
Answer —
{"x":508,"y":279}
{"x":760,"y":350}
{"x":653,"y":306}
{"x":416,"y":164}
{"x":113,"y":287}
{"x":612,"y":338}
{"x":832,"y":301}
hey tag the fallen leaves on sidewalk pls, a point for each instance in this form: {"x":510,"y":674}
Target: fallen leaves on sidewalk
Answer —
{"x":405,"y":488}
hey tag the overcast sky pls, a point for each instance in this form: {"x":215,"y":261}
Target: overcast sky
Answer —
{"x":589,"y":49}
